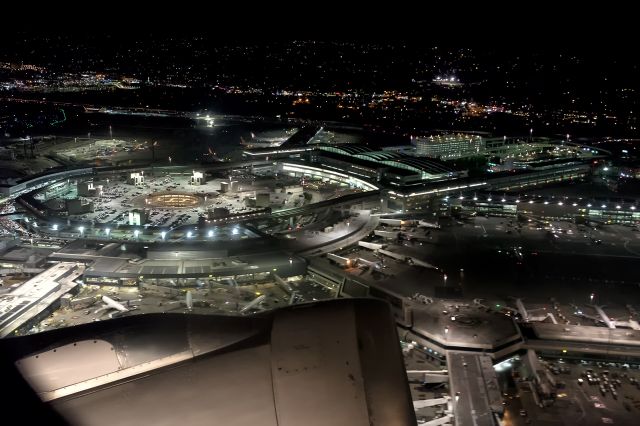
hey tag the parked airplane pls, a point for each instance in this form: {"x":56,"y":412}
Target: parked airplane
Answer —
{"x":526,"y":315}
{"x":109,"y":303}
{"x":426,"y":224}
{"x":604,"y":319}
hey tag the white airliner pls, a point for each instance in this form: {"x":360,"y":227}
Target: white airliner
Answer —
{"x":604,"y":319}
{"x":526,"y":315}
{"x":426,"y":224}
{"x":109,"y":303}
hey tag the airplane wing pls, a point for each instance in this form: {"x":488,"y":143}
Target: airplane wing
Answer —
{"x":214,"y":367}
{"x":591,"y":317}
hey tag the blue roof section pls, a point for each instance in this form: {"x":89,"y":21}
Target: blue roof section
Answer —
{"x":425,"y":164}
{"x":380,"y":155}
{"x":347,"y":149}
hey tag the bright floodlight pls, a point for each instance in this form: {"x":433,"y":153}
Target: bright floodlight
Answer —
{"x":55,"y":227}
{"x":604,"y":206}
{"x":235,"y":231}
{"x":210,"y":233}
{"x":81,"y":229}
{"x":189,"y":234}
{"x":107,"y":231}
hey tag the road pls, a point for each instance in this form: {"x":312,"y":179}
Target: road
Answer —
{"x":471,"y":405}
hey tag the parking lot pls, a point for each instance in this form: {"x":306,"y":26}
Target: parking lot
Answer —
{"x":612,"y":397}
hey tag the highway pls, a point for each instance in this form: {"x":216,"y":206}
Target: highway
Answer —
{"x":338,"y":238}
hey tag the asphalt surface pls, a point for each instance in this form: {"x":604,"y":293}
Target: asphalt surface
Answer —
{"x":478,"y":256}
{"x":470,"y":402}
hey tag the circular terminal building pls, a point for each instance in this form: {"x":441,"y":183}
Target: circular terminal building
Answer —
{"x":175,"y":200}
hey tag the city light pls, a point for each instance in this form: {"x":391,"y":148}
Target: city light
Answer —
{"x":210,"y":234}
{"x":163,"y":234}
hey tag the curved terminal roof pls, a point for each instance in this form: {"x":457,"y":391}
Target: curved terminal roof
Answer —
{"x":347,"y":149}
{"x":425,"y":166}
